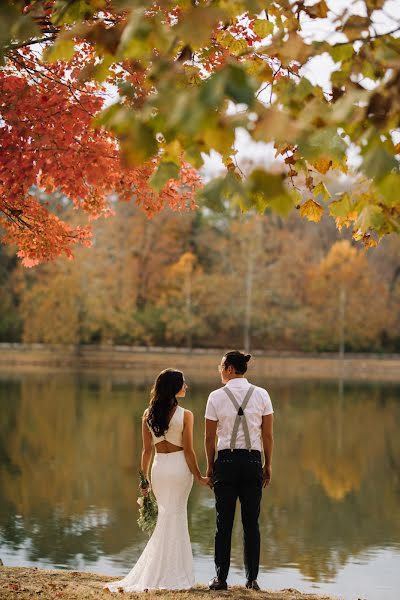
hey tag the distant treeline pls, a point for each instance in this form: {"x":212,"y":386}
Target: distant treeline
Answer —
{"x":209,"y":280}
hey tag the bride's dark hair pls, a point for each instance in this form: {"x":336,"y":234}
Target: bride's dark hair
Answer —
{"x":163,"y":399}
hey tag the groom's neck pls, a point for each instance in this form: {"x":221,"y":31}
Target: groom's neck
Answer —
{"x":229,"y":378}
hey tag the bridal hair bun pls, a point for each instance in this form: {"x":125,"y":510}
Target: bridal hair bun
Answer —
{"x":247,"y":357}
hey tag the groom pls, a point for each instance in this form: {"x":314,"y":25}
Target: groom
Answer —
{"x":240,"y":415}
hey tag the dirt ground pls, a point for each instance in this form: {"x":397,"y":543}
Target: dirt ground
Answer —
{"x":19,"y":583}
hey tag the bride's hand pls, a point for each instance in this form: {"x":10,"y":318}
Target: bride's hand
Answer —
{"x":145,"y":491}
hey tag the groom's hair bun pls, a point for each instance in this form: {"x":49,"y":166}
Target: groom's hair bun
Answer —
{"x":237,"y":360}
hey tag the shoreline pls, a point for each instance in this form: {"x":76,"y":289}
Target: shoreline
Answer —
{"x":145,"y":361}
{"x":23,"y":583}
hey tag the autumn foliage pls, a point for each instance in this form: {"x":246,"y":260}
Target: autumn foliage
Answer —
{"x":49,"y":144}
{"x":200,"y":279}
{"x":102,"y":97}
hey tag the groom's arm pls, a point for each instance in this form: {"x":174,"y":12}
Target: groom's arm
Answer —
{"x":209,"y":444}
{"x":267,"y":429}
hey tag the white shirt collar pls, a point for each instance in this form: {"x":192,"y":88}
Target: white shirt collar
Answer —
{"x":237,"y":382}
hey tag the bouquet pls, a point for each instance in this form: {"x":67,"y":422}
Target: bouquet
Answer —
{"x":148,"y":510}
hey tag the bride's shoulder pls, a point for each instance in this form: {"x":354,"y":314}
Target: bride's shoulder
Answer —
{"x":187,"y":414}
{"x":146,"y":413}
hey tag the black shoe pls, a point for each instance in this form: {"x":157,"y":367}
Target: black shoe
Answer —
{"x":217,"y":584}
{"x":253,"y":585}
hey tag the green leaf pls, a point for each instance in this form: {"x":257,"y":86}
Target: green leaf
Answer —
{"x":15,"y":27}
{"x":211,"y":195}
{"x":389,"y":187}
{"x":138,"y":143}
{"x":220,"y":137}
{"x":136,"y":138}
{"x":239,"y":86}
{"x":263,"y":28}
{"x":66,"y":12}
{"x":165,"y":171}
{"x":341,"y":52}
{"x":266,"y":190}
{"x":62,"y":49}
{"x":368,"y":70}
{"x":231,"y":81}
{"x":304,"y":89}
{"x":341,"y":207}
{"x":283,"y":203}
{"x":213,"y":89}
{"x":322,"y":189}
{"x":267,"y":183}
{"x":193,"y":155}
{"x":371,"y":217}
{"x":378,"y":163}
{"x":322,"y":143}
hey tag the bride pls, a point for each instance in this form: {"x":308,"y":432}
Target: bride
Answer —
{"x":166,"y":562}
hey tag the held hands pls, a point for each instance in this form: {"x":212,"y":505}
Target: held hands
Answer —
{"x":205,"y":481}
{"x":267,"y":474}
{"x":209,"y":475}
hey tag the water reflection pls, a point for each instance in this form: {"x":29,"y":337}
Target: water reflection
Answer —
{"x":69,"y":455}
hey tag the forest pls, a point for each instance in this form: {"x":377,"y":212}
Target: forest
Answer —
{"x":206,"y":279}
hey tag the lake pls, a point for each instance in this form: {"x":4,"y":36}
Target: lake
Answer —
{"x":70,"y":448}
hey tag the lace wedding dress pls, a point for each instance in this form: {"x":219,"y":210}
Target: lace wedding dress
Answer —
{"x":166,"y":562}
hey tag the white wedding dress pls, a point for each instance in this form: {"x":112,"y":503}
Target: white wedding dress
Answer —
{"x":167,"y":561}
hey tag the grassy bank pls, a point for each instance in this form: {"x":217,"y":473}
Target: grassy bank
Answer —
{"x":147,"y":361}
{"x":19,"y":583}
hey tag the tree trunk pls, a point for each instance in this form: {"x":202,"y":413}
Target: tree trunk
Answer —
{"x":188,"y":306}
{"x":248,"y":301}
{"x":342,"y":314}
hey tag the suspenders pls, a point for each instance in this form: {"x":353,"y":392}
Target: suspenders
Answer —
{"x":240,"y":416}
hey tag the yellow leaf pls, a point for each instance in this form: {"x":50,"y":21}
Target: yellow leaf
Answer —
{"x":322,"y":165}
{"x":312,"y":210}
{"x":368,"y":241}
{"x":262,"y":27}
{"x":235,"y":45}
{"x":347,"y":220}
{"x":340,"y":165}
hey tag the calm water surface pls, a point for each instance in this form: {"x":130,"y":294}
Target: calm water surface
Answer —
{"x":69,"y":455}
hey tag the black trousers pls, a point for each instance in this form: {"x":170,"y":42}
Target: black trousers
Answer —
{"x":237,"y":474}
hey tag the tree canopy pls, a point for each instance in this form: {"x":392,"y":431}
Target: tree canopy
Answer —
{"x":102,"y":98}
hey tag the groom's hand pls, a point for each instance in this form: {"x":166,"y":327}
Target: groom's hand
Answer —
{"x":267,"y":474}
{"x":209,"y":474}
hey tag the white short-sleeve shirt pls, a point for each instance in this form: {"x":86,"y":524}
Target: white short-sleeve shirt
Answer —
{"x":220,"y":408}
